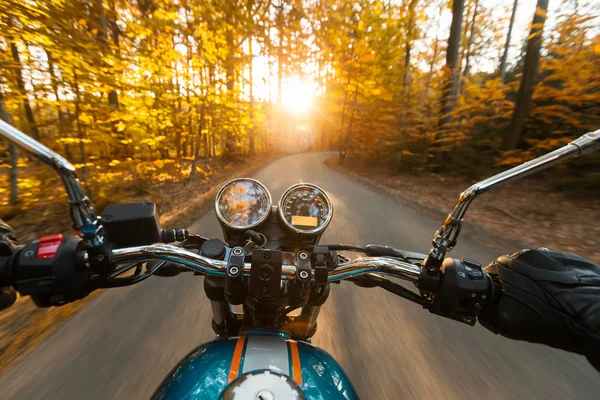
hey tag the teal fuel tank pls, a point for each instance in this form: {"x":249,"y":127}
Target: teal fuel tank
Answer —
{"x":253,"y":363}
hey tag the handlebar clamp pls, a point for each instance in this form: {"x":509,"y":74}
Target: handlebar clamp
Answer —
{"x":234,"y":278}
{"x":320,"y":255}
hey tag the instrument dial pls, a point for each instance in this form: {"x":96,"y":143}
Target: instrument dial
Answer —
{"x":305,"y":208}
{"x":243,"y":203}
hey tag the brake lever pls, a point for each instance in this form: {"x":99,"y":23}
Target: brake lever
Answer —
{"x":374,"y":280}
{"x":383,"y":251}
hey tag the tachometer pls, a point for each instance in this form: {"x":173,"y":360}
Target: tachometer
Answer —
{"x":305,"y":208}
{"x":243,"y":203}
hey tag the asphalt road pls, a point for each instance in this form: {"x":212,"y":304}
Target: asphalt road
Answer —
{"x":126,"y":340}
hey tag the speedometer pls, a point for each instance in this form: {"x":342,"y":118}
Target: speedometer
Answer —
{"x":305,"y":208}
{"x":243,"y":203}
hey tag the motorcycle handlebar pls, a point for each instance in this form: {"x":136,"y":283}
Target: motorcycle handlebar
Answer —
{"x":461,"y":294}
{"x":208,"y":266}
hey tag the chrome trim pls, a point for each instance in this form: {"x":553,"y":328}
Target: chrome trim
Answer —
{"x":82,"y":213}
{"x":446,"y":237}
{"x":196,"y":262}
{"x":303,"y":231}
{"x":380,"y":265}
{"x":222,"y":219}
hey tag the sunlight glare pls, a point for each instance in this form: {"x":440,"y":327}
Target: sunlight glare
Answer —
{"x":296,"y":96}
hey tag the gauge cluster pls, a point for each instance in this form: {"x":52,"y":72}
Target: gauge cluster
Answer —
{"x":303,"y":212}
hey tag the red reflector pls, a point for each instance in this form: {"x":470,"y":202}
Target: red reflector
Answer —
{"x":49,"y":245}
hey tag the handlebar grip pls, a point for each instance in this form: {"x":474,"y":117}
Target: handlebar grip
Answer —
{"x":8,"y":297}
{"x":6,"y":271}
{"x":52,"y":277}
{"x":464,"y":291}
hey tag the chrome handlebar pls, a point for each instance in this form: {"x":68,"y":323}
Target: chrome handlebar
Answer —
{"x":208,"y":266}
{"x":82,"y":213}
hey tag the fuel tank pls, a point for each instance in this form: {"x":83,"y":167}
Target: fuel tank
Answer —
{"x":253,"y":364}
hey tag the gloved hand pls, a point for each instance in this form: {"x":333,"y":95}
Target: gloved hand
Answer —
{"x":549,"y":298}
{"x":8,"y":245}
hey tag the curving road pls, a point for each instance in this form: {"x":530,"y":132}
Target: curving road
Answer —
{"x":126,"y":340}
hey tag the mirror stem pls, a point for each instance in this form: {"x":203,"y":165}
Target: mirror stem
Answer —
{"x":82,"y":213}
{"x":446,"y":237}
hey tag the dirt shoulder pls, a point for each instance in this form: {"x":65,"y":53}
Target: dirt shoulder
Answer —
{"x":527,"y":213}
{"x":23,"y":325}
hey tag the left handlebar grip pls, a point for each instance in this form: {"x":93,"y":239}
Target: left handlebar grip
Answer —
{"x":8,"y":295}
{"x":51,"y":271}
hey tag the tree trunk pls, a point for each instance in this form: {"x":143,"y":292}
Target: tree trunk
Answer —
{"x":252,"y":129}
{"x":113,"y":96}
{"x":197,"y":150}
{"x":451,"y":71}
{"x":470,"y":42}
{"x":229,"y":144}
{"x":342,"y":154}
{"x":502,"y":68}
{"x":515,"y":130}
{"x":62,"y":120}
{"x":80,"y":134}
{"x":32,"y":128}
{"x":280,"y":51}
{"x":407,"y":53}
{"x":435,"y":53}
{"x":14,"y":157}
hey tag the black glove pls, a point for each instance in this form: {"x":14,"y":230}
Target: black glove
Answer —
{"x":8,"y":245}
{"x":549,"y":298}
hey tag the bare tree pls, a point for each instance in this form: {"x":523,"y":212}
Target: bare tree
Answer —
{"x":502,"y":68}
{"x":451,"y":70}
{"x":532,"y":58}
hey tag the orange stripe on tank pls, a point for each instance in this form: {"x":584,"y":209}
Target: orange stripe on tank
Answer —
{"x":234,"y":370}
{"x":296,"y":370}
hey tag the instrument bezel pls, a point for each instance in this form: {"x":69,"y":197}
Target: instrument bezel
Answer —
{"x":316,"y":231}
{"x":226,"y":223}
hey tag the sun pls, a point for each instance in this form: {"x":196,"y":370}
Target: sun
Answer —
{"x":296,"y":96}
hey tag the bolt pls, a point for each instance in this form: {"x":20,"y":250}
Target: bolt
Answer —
{"x":473,"y":295}
{"x":237,"y":251}
{"x":303,"y":274}
{"x":484,"y":297}
{"x":267,"y":256}
{"x":233,"y":270}
{"x":303,"y":256}
{"x":265,"y":272}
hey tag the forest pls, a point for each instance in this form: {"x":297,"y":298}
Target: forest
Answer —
{"x":145,"y":92}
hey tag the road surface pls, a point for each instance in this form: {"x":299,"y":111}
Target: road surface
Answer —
{"x":126,"y":340}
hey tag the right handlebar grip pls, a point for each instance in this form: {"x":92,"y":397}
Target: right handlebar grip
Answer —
{"x":464,"y":291}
